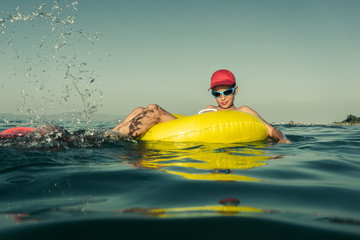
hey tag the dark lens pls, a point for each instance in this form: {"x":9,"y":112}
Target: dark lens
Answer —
{"x":215,"y":94}
{"x":228,"y":92}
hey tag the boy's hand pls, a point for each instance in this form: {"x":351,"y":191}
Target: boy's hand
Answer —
{"x":284,"y":141}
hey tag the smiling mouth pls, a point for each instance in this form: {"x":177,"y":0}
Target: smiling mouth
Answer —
{"x":224,"y":103}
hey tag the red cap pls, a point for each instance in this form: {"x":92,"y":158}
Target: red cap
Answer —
{"x":222,"y":77}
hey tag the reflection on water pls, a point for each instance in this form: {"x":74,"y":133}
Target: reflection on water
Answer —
{"x":178,"y":212}
{"x":198,"y":211}
{"x":223,"y":162}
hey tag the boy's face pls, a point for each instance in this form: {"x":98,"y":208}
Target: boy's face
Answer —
{"x":223,"y":101}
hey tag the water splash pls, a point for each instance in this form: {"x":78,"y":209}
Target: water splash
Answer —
{"x":48,"y":55}
{"x":82,"y":80}
{"x":52,"y":137}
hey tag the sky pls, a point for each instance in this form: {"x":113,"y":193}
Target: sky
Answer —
{"x":293,"y":60}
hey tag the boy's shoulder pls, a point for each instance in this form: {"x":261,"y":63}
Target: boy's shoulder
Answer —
{"x":211,"y":106}
{"x":244,"y":109}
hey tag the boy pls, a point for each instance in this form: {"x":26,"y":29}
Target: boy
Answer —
{"x":223,"y":88}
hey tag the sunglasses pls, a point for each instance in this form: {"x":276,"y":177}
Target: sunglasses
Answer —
{"x":226,"y":92}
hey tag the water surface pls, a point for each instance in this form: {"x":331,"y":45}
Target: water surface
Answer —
{"x":95,"y":187}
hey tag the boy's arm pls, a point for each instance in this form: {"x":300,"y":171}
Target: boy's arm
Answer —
{"x":278,"y":135}
{"x":272,"y":132}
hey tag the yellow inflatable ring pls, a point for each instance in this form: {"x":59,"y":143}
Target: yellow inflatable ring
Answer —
{"x":211,"y":127}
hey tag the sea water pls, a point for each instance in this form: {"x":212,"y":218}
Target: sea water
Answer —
{"x":95,"y":188}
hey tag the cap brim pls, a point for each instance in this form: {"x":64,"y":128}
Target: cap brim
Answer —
{"x":228,"y":82}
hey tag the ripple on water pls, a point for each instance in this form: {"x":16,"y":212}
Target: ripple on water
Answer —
{"x":20,"y":179}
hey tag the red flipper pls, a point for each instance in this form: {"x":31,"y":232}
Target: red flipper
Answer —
{"x":16,"y":132}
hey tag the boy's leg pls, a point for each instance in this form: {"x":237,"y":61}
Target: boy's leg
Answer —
{"x":142,"y":122}
{"x":130,"y":117}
